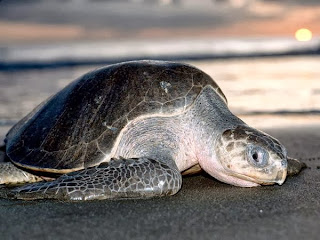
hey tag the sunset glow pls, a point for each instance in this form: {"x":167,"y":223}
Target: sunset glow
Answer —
{"x":303,"y":34}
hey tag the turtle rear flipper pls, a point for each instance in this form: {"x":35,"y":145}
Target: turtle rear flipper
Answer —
{"x":125,"y":178}
{"x":294,"y":166}
{"x":11,"y":175}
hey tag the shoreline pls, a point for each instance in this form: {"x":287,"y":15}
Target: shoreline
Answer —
{"x":59,"y":55}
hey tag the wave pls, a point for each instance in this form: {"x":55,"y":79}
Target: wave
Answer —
{"x":92,"y":53}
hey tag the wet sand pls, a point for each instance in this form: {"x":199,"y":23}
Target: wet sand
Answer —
{"x":203,"y":209}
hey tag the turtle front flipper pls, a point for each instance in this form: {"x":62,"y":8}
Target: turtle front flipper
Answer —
{"x":124,"y":178}
{"x":294,"y":166}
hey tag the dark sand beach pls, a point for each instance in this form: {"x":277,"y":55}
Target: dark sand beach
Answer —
{"x":203,"y":209}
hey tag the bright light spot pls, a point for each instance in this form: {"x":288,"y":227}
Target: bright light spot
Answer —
{"x":303,"y":34}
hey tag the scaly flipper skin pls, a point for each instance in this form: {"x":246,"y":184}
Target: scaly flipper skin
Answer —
{"x":10,"y":174}
{"x":125,"y":178}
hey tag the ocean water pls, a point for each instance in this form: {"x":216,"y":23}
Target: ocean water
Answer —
{"x":261,"y":77}
{"x":82,"y":53}
{"x":252,"y":85}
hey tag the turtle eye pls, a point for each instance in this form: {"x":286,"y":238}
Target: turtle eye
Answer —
{"x":257,"y":156}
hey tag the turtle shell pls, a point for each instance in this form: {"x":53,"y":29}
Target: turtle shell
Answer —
{"x":77,"y":127}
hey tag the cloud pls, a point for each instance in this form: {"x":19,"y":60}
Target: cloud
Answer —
{"x":296,"y":2}
{"x":266,"y":8}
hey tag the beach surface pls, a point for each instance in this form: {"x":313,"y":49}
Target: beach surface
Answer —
{"x":203,"y":209}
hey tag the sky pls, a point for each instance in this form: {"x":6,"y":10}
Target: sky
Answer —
{"x":77,"y":20}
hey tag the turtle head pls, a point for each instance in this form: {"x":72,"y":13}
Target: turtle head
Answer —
{"x":248,"y":157}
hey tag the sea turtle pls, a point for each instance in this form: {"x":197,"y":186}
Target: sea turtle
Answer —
{"x":129,"y":130}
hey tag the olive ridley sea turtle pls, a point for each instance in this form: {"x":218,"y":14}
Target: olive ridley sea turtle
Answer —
{"x":129,"y":130}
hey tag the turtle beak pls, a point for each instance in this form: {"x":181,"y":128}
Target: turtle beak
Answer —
{"x":282,"y":173}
